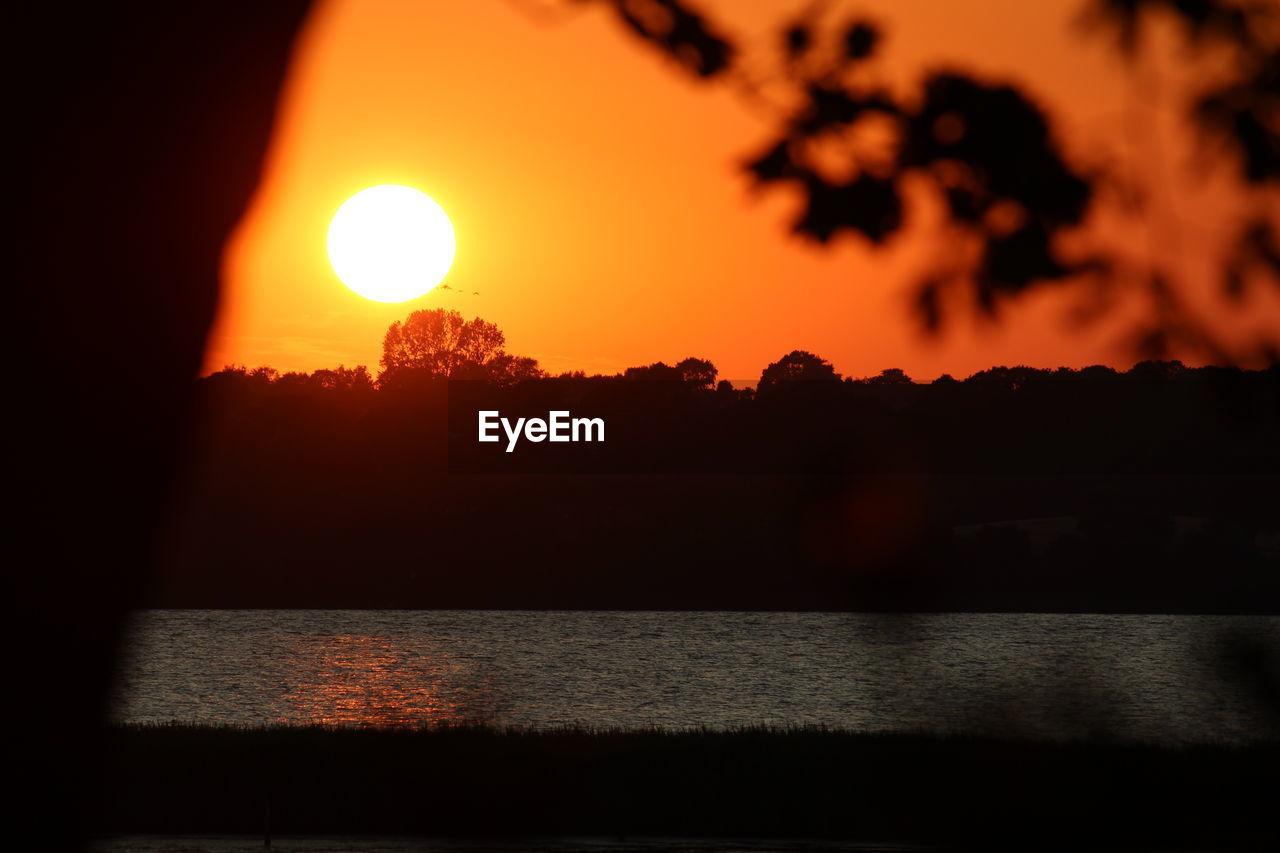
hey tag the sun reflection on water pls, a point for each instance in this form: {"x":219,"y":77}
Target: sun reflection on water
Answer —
{"x":374,"y":681}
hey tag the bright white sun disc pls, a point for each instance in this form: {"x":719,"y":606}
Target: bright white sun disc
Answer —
{"x":391,"y":243}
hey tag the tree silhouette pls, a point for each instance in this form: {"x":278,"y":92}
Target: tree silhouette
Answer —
{"x":507,"y":369}
{"x":343,"y":378}
{"x":890,"y":376}
{"x":992,"y":160}
{"x":797,"y":365}
{"x":441,"y":344}
{"x":659,"y":371}
{"x":698,"y":372}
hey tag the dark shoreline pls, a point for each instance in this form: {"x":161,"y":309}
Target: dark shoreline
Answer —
{"x":799,"y":783}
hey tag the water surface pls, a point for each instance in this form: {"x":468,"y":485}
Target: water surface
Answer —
{"x":1042,"y":675}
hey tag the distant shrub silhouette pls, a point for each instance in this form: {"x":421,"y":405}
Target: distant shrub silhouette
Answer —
{"x":657,"y":372}
{"x":797,"y":365}
{"x":890,"y":376}
{"x":697,"y":372}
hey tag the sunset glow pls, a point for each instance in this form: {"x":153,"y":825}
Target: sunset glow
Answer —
{"x":601,"y":194}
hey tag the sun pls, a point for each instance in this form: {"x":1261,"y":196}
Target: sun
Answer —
{"x":391,"y":243}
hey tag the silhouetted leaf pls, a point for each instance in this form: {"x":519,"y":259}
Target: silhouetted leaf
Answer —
{"x":775,"y":164}
{"x":1014,"y":261}
{"x":1256,"y":250}
{"x":860,"y":40}
{"x":1200,"y":19}
{"x":868,"y":205}
{"x":1005,"y":145}
{"x":831,"y":106}
{"x":1247,"y":114}
{"x":963,"y":204}
{"x":928,"y":305}
{"x":679,"y":32}
{"x":797,"y":40}
{"x":828,"y":105}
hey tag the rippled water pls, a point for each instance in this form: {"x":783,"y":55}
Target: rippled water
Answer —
{"x":1148,"y":677}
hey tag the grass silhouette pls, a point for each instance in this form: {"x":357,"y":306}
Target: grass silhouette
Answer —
{"x":759,"y":781}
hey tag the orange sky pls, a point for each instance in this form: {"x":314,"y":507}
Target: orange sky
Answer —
{"x":596,"y":197}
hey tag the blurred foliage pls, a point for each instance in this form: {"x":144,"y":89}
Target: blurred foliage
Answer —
{"x":992,"y":160}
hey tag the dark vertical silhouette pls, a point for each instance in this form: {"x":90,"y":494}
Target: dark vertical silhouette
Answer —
{"x":142,"y":131}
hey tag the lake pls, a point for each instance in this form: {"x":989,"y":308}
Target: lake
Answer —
{"x":1164,"y":678}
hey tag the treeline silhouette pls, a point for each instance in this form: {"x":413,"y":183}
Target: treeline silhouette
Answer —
{"x":1146,"y":490}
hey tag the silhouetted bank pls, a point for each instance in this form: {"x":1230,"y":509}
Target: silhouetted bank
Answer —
{"x":1151,"y":490}
{"x":761,"y":783}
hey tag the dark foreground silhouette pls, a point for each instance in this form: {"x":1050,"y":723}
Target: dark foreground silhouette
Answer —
{"x":140,"y":135}
{"x":762,"y":783}
{"x":1149,"y":490}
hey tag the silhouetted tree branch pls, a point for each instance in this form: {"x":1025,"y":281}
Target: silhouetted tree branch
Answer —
{"x":992,"y":159}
